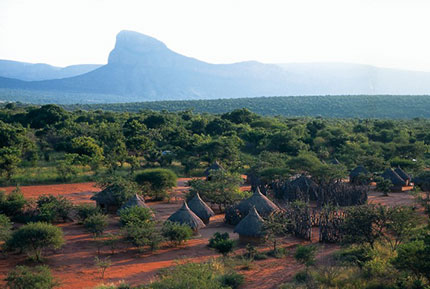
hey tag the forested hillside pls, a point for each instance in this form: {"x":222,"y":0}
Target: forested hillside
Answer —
{"x":347,"y":106}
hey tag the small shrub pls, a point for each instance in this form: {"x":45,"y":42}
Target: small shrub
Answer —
{"x":112,"y":241}
{"x":96,"y":224}
{"x":232,"y":280}
{"x":53,"y":208}
{"x":354,"y":255}
{"x":305,"y":255}
{"x":34,"y":237}
{"x":5,"y":228}
{"x":221,"y":243}
{"x":12,"y":204}
{"x":176,"y":233}
{"x":278,"y":253}
{"x":302,"y":277}
{"x":103,"y":264}
{"x":135,"y":215}
{"x":23,"y":277}
{"x":84,"y":211}
{"x":251,"y":251}
{"x":224,"y":246}
{"x":143,"y":234}
{"x":260,"y":256}
{"x":217,"y":237}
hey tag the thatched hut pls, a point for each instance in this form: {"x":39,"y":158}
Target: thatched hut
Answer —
{"x":262,"y":204}
{"x":185,"y":216}
{"x":306,"y":186}
{"x":251,"y":228}
{"x":354,"y":175}
{"x":399,"y":184}
{"x":135,"y":201}
{"x":106,"y":200}
{"x":200,"y":208}
{"x":403,"y":174}
{"x":215,"y":166}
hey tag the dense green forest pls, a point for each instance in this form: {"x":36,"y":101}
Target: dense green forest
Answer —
{"x":348,"y":106}
{"x":51,"y":144}
{"x":341,"y":106}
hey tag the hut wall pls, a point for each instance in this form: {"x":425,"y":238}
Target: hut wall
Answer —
{"x":251,"y":240}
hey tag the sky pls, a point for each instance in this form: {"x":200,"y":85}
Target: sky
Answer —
{"x":385,"y":33}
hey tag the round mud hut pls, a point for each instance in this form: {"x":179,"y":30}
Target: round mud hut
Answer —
{"x":251,"y":228}
{"x":260,"y":202}
{"x":200,"y":208}
{"x":185,"y":216}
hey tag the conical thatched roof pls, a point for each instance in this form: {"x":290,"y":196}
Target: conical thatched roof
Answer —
{"x":402,"y":173}
{"x":357,"y":171}
{"x":215,"y":166}
{"x":200,"y":208}
{"x":305,"y":184}
{"x":251,"y":226}
{"x":262,"y":204}
{"x":185,"y":216}
{"x":105,"y":196}
{"x":136,"y":200}
{"x":391,"y":175}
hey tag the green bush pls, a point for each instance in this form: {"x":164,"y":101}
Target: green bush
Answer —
{"x":305,"y":255}
{"x":32,"y":238}
{"x":191,"y":275}
{"x":143,"y":234}
{"x":176,"y":233}
{"x":13,"y":203}
{"x":354,"y":256}
{"x":221,"y":243}
{"x":84,"y":211}
{"x":218,"y":237}
{"x":53,"y":208}
{"x":232,"y":280}
{"x":134,"y":215}
{"x":302,"y":277}
{"x":278,"y":253}
{"x":158,"y":181}
{"x":96,"y":224}
{"x":5,"y":228}
{"x":23,"y":277}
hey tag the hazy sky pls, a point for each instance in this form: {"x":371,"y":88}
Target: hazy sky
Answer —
{"x":388,"y":33}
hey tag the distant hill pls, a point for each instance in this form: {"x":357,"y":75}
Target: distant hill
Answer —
{"x":347,"y":106}
{"x":141,"y":68}
{"x":41,"y":71}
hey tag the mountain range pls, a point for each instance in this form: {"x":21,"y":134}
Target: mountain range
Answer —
{"x":142,"y":68}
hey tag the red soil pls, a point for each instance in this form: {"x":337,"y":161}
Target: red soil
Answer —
{"x":73,"y":265}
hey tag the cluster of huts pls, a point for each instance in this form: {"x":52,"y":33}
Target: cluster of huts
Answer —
{"x":399,"y":178}
{"x":196,"y":213}
{"x":247,"y":216}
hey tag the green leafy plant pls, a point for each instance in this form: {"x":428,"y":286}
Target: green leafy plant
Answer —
{"x":176,"y":233}
{"x":23,"y":277}
{"x":34,"y":237}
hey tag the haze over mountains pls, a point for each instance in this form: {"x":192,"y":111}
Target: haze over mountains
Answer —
{"x":141,"y":68}
{"x":41,"y":71}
